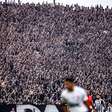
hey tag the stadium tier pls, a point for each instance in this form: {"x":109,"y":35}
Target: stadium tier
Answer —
{"x":40,"y":45}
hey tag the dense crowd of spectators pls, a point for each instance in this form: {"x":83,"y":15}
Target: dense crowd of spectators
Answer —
{"x":42,"y":44}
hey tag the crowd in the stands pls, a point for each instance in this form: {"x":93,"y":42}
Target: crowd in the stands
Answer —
{"x":40,"y":45}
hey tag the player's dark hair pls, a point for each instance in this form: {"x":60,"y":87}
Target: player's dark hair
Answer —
{"x":69,"y":80}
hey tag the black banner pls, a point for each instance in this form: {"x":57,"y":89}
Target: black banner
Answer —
{"x":30,"y":108}
{"x":7,"y":108}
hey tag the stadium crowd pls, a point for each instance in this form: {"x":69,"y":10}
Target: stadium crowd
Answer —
{"x":42,"y":44}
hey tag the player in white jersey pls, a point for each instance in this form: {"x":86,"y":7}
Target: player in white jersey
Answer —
{"x":74,"y":98}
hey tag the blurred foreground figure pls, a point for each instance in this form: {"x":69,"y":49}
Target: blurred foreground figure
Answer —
{"x":74,"y":98}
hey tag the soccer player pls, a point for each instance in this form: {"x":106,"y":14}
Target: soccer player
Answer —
{"x":74,"y":98}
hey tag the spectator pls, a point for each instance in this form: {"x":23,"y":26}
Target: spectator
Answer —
{"x":99,"y":104}
{"x":109,"y":108}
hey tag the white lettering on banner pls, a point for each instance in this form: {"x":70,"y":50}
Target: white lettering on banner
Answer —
{"x":22,"y":108}
{"x":49,"y":108}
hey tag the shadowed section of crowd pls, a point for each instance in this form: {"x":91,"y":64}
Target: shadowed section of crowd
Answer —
{"x":42,"y":44}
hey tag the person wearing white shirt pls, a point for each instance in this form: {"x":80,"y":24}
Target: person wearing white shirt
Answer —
{"x":74,"y":98}
{"x":99,"y":104}
{"x":109,"y":108}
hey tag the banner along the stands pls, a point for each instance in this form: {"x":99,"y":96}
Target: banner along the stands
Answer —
{"x":30,"y":108}
{"x":7,"y":108}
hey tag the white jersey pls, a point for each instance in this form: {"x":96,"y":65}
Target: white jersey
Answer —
{"x":109,"y":109}
{"x":75,"y":99}
{"x":99,"y":106}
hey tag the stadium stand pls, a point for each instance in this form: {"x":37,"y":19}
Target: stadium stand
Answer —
{"x":42,"y":44}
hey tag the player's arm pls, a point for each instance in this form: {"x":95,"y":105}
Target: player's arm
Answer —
{"x":65,"y":109}
{"x":63,"y":104}
{"x":87,"y":105}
